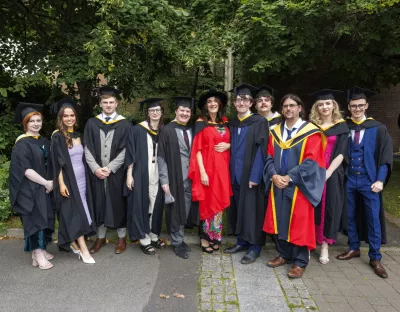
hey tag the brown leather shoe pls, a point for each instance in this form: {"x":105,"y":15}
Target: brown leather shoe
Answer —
{"x":100,"y":242}
{"x":349,"y":254}
{"x":296,"y":272}
{"x":378,"y":268}
{"x":277,"y":262}
{"x":121,"y":245}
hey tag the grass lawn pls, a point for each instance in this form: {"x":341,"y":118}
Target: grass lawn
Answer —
{"x":391,"y":193}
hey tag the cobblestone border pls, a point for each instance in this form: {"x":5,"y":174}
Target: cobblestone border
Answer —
{"x":217,"y":284}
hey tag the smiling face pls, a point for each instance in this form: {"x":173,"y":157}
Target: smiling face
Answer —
{"x":108,"y":105}
{"x":155,"y":113}
{"x":68,"y":117}
{"x":243,"y":103}
{"x":325,"y":108}
{"x":358,"y":108}
{"x":182,"y":114}
{"x":264,"y":104}
{"x":212,"y":105}
{"x":34,"y":124}
{"x":291,"y":110}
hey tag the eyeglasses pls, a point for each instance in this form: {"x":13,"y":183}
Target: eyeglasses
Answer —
{"x":286,"y":106}
{"x":242,"y":100}
{"x":155,"y":110}
{"x":355,"y":106}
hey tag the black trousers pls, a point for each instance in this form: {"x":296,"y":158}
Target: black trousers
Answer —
{"x":297,"y":254}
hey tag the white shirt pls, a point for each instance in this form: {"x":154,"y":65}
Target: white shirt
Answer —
{"x":361,"y":132}
{"x":297,"y":125}
{"x":189,"y":136}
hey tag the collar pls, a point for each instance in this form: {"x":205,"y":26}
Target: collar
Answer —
{"x":274,"y":115}
{"x":22,"y":136}
{"x":359,"y":122}
{"x":297,"y":125}
{"x":112,"y":116}
{"x":248,"y":114}
{"x":145,"y":125}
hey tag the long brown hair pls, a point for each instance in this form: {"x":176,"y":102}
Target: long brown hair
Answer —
{"x":62,"y":128}
{"x":160,"y":123}
{"x":205,"y":115}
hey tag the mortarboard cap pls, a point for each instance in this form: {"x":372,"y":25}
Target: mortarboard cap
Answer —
{"x":212,"y":93}
{"x":357,"y":93}
{"x":265,"y":90}
{"x":185,"y":101}
{"x":108,"y":90}
{"x":326,"y":94}
{"x":150,"y":102}
{"x":244,"y":89}
{"x":67,"y":101}
{"x":23,"y":109}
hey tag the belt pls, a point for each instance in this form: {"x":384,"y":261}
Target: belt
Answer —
{"x":358,"y":173}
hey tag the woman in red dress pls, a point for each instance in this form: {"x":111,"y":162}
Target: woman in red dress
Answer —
{"x":209,"y":168}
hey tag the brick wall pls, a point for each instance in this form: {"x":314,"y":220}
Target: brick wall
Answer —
{"x":385,"y":107}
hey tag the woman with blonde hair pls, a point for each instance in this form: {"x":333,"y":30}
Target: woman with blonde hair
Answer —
{"x":330,"y":212}
{"x":30,"y":185}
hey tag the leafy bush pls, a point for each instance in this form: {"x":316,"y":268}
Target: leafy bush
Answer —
{"x":5,"y":205}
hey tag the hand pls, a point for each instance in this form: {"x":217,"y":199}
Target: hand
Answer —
{"x":48,"y":186}
{"x":165,"y":188}
{"x":204,"y":179}
{"x":106,"y":171}
{"x":130,"y":182}
{"x":251,"y":184}
{"x":100,"y":174}
{"x":222,"y":147}
{"x":64,"y":190}
{"x":280,"y":181}
{"x":377,"y":187}
{"x":328,"y":174}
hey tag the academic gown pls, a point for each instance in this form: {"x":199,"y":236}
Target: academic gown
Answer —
{"x":249,"y":147}
{"x":274,"y":121}
{"x":72,"y":218}
{"x":335,"y":202}
{"x":378,"y":150}
{"x":168,"y":150}
{"x":28,"y":198}
{"x":138,"y":198}
{"x":115,"y":181}
{"x":290,"y":212}
{"x":216,"y":197}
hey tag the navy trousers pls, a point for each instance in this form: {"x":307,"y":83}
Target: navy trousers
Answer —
{"x":362,"y":184}
{"x":299,"y":255}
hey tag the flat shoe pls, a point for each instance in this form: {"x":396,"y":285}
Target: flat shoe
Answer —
{"x":249,"y":257}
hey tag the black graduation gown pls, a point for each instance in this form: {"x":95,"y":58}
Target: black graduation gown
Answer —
{"x":383,"y":155}
{"x":168,"y":149}
{"x":138,"y":198}
{"x":28,"y":198}
{"x":115,"y":182}
{"x":72,"y":219}
{"x":247,"y":219}
{"x":335,"y":202}
{"x":275,"y":121}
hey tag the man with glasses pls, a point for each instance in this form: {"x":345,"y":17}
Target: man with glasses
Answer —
{"x":295,"y":174}
{"x":249,"y":141}
{"x":370,"y":164}
{"x":264,"y":102}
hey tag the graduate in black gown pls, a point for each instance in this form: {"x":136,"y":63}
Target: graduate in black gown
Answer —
{"x":370,"y":165}
{"x":249,"y":141}
{"x":30,"y":184}
{"x":265,"y":97}
{"x":175,"y":143}
{"x":72,"y":194}
{"x":145,"y":200}
{"x":105,"y":138}
{"x":331,"y":213}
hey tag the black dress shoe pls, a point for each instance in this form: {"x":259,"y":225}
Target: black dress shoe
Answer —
{"x":180,"y":252}
{"x":235,"y":249}
{"x":249,"y":257}
{"x":185,"y":247}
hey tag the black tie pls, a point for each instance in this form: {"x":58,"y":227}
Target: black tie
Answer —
{"x":186,"y":138}
{"x":107,"y":119}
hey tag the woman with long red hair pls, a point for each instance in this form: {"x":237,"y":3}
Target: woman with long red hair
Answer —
{"x":29,"y":184}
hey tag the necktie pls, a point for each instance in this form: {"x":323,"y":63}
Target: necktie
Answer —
{"x":285,"y":153}
{"x":357,"y":137}
{"x":186,"y":139}
{"x":107,"y":119}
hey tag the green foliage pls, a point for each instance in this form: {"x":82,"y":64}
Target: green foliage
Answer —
{"x":5,"y":205}
{"x":9,"y":132}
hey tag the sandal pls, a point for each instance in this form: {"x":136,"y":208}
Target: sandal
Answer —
{"x":148,"y":249}
{"x":324,"y":257}
{"x":207,"y":249}
{"x":159,"y":244}
{"x":214,"y":246}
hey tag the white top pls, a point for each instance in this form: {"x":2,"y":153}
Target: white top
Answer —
{"x":361,"y":131}
{"x":297,"y":125}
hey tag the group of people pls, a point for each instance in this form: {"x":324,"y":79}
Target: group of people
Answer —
{"x":299,"y":181}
